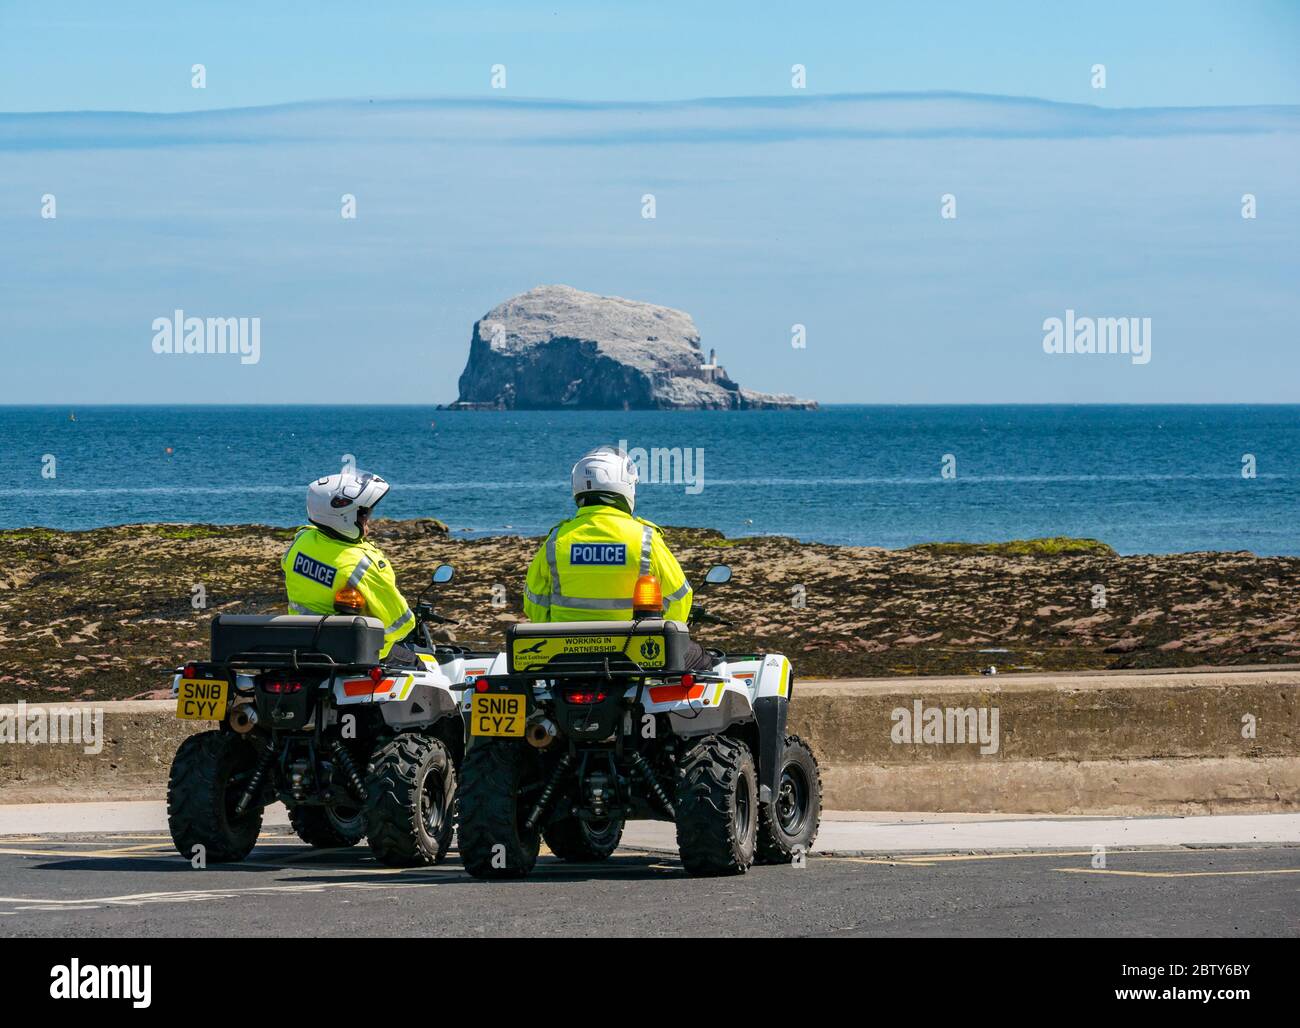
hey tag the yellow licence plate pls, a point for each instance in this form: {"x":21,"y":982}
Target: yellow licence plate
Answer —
{"x":497,"y":714}
{"x":201,"y":699}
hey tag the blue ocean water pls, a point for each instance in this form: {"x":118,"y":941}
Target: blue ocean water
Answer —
{"x":1145,"y":479}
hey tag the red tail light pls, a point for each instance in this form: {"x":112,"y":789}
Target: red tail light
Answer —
{"x":190,"y":671}
{"x":585,"y":696}
{"x":279,"y":687}
{"x":688,"y":681}
{"x":376,"y":674}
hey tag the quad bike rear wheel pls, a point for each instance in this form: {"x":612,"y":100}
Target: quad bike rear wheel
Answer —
{"x":411,"y":786}
{"x":336,"y":827}
{"x":717,"y":806}
{"x":209,"y":774}
{"x":789,"y":823}
{"x":493,"y":840}
{"x":583,"y":841}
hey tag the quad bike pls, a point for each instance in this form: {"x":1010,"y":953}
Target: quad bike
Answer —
{"x":596,"y":723}
{"x":309,"y":715}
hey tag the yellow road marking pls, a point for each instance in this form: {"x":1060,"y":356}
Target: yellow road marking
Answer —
{"x":1172,"y":874}
{"x":137,"y":849}
{"x":930,"y":859}
{"x":122,"y":851}
{"x":194,"y":895}
{"x":161,"y":837}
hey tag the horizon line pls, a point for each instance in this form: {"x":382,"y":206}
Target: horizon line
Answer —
{"x":442,"y":408}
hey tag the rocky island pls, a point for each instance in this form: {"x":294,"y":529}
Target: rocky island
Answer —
{"x":555,"y":347}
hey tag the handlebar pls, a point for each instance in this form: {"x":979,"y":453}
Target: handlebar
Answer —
{"x":424,"y":612}
{"x":703,"y":617}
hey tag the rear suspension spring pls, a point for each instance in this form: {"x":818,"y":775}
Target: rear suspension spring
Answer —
{"x":344,"y":759}
{"x":255,"y":783}
{"x":647,"y":772}
{"x":551,"y":784}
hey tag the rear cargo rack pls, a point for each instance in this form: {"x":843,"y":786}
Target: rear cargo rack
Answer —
{"x":552,"y":675}
{"x":296,"y":660}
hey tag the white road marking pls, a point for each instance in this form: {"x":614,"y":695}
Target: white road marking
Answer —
{"x":31,"y":904}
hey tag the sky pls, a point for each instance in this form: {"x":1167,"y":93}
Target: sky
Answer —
{"x":821,"y":207}
{"x":134,"y":55}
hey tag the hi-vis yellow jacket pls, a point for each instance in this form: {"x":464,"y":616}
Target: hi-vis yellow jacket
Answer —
{"x":588,"y":565}
{"x":318,"y":565}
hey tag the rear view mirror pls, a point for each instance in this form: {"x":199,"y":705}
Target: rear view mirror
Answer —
{"x":718,"y":574}
{"x":443,"y":573}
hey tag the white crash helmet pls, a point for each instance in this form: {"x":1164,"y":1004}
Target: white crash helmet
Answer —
{"x":606,"y":469}
{"x":335,"y":501}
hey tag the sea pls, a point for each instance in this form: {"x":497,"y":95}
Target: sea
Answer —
{"x":1144,"y":479}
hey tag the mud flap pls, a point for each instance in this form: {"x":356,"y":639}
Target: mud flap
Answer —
{"x":770,"y":713}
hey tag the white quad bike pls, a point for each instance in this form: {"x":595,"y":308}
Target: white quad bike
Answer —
{"x":596,"y":723}
{"x":307,"y":714}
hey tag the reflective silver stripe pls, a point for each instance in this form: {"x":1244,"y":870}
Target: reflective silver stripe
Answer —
{"x":408,"y":616}
{"x":586,"y":604}
{"x":358,"y":573}
{"x":298,"y":608}
{"x":298,"y":535}
{"x":647,"y":537}
{"x":677,"y":594}
{"x":532,"y":597}
{"x":558,"y":599}
{"x":550,"y":562}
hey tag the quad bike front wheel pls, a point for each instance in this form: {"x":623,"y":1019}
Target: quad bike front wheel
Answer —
{"x":336,"y":827}
{"x":582,"y":841}
{"x":209,"y":774}
{"x":717,"y":806}
{"x":496,"y":780}
{"x":789,"y":824}
{"x":411,"y":786}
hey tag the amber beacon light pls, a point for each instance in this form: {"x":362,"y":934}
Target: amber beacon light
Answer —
{"x":647,"y":598}
{"x":349,"y":600}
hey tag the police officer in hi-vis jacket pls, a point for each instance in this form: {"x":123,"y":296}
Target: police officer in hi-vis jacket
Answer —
{"x":588,"y":566}
{"x":331,"y":568}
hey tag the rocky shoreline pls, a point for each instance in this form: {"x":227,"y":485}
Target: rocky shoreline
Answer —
{"x":105,"y":614}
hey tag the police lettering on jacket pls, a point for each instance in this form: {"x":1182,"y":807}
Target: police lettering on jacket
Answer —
{"x":314,"y":569}
{"x":598,"y":553}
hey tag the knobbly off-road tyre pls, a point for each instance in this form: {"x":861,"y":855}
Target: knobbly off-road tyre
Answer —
{"x":327,"y":829}
{"x":578,"y":841}
{"x":205,"y":783}
{"x":493,"y":842}
{"x":790,"y":822}
{"x":717,"y":807}
{"x":411,"y":790}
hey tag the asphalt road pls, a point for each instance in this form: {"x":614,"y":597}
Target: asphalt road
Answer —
{"x":133,"y":884}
